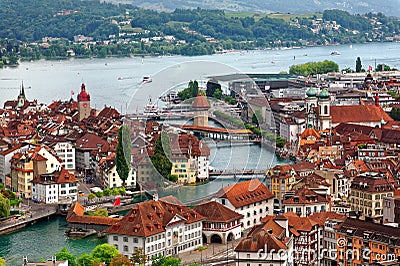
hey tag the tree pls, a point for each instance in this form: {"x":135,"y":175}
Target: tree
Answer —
{"x":162,"y":153}
{"x":104,"y":253}
{"x":91,"y":196}
{"x":139,"y":257}
{"x":2,"y":262}
{"x":217,"y":94}
{"x":358,"y":65}
{"x":165,"y":261}
{"x":65,"y":255}
{"x":4,"y":206}
{"x":85,"y":259}
{"x":194,"y":88}
{"x":120,"y":260}
{"x":123,"y":153}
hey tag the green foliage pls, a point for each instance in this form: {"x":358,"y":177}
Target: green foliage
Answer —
{"x":115,"y":191}
{"x":185,"y":94}
{"x":99,"y":212}
{"x":313,"y":68}
{"x":104,"y":253}
{"x":4,"y":206}
{"x":395,"y":114}
{"x":382,"y":67}
{"x":165,"y":261}
{"x":234,"y":120}
{"x":85,"y":259}
{"x":362,"y":146}
{"x":91,"y":196}
{"x":123,"y":153}
{"x":99,"y":194}
{"x":230,"y":100}
{"x":139,"y":257}
{"x":280,"y":142}
{"x":107,"y":192}
{"x":217,"y":94}
{"x":194,"y":88}
{"x":122,"y":191}
{"x":173,"y":178}
{"x":2,"y":262}
{"x":65,"y":255}
{"x":393,"y":94}
{"x":358,"y":65}
{"x":257,"y":117}
{"x":162,"y":152}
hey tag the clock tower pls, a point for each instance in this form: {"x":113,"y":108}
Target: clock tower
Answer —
{"x":83,"y":103}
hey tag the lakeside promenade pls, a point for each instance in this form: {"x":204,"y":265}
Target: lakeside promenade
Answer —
{"x":34,"y":213}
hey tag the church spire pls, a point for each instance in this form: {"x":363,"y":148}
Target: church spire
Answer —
{"x":23,"y":90}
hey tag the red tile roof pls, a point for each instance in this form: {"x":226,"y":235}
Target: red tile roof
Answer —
{"x":358,"y":113}
{"x":245,"y":193}
{"x":151,"y":217}
{"x":259,"y":241}
{"x":321,"y":217}
{"x":305,"y":196}
{"x":216,"y":212}
{"x":76,"y":215}
{"x":200,"y":102}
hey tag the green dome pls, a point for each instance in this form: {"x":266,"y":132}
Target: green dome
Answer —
{"x":324,"y":94}
{"x":311,"y":92}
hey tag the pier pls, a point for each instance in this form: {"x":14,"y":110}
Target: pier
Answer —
{"x":16,"y":223}
{"x":229,"y":174}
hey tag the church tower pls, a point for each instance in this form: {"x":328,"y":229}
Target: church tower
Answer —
{"x":324,"y":102}
{"x":311,"y":104}
{"x":200,"y":107}
{"x":21,"y":97}
{"x":83,"y":103}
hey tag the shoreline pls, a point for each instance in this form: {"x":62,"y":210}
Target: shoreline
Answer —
{"x":150,"y":55}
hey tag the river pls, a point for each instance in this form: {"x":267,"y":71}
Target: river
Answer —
{"x":117,"y":82}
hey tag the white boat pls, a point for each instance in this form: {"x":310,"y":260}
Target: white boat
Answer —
{"x":147,"y":79}
{"x":150,"y":108}
{"x":335,"y":53}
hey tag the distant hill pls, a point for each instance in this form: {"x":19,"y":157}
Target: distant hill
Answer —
{"x":388,"y":7}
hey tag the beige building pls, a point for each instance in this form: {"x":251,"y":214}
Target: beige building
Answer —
{"x":367,"y":192}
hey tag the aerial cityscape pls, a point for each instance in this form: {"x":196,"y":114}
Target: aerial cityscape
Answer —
{"x":172,"y":134}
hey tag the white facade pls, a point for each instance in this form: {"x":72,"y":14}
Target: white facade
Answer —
{"x":304,"y":210}
{"x":5,"y":164}
{"x":268,"y":257}
{"x":253,"y":213}
{"x":66,"y":152}
{"x":52,"y":162}
{"x":202,"y":167}
{"x":178,"y":237}
{"x":53,"y":193}
{"x":111,"y":178}
{"x":82,"y":159}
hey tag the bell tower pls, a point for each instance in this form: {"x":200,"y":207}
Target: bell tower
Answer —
{"x":324,"y":103}
{"x":311,"y":104}
{"x":83,"y":103}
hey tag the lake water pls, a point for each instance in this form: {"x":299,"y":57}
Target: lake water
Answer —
{"x":117,"y":82}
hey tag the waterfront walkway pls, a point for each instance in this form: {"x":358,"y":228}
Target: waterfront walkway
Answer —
{"x":214,"y":254}
{"x":34,"y":212}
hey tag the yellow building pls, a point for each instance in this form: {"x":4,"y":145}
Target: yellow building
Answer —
{"x":280,"y":179}
{"x":184,"y":168}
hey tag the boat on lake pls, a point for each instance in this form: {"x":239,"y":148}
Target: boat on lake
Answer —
{"x":335,"y":53}
{"x":147,"y":79}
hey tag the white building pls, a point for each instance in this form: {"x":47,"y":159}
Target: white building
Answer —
{"x":110,"y":176}
{"x":160,"y":227}
{"x":266,"y":245}
{"x":221,"y":224}
{"x":66,"y":152}
{"x":5,"y":157}
{"x":251,"y":198}
{"x":57,"y":187}
{"x":305,"y":202}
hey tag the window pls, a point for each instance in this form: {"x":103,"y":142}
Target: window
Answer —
{"x":126,"y":248}
{"x":135,"y":240}
{"x":125,"y":239}
{"x":115,"y":238}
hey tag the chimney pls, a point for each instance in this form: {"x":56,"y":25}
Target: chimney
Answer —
{"x":155,"y":197}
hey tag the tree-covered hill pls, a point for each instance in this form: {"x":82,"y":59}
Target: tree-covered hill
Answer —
{"x":388,"y":7}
